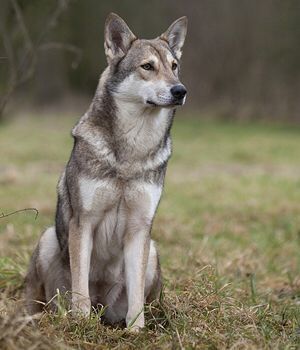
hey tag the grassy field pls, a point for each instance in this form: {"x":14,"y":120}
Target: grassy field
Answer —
{"x":228,"y":232}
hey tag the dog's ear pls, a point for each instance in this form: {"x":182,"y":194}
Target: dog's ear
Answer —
{"x":117,"y":37}
{"x":175,"y":35}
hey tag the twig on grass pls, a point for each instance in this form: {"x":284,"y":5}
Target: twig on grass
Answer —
{"x":2,"y":215}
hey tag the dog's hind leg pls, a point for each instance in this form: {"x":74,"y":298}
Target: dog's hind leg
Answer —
{"x":47,"y":273}
{"x":34,"y":291}
{"x":54,"y":273}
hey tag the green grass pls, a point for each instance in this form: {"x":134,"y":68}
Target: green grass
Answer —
{"x":228,"y":232}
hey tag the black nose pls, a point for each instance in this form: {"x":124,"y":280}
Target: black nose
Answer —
{"x":178,"y":91}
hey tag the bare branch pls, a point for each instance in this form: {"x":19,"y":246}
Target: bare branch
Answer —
{"x":10,"y":54}
{"x":61,"y":6}
{"x":22,"y":71}
{"x":64,"y":46}
{"x":22,"y":25}
{"x":12,"y":80}
{"x":30,"y":55}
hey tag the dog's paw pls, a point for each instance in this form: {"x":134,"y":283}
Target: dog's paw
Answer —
{"x":136,"y":323}
{"x":134,"y":329}
{"x":81,"y":306}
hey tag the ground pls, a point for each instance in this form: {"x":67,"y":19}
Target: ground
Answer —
{"x":228,"y":232}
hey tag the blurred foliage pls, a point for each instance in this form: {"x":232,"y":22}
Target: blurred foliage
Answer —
{"x":241,"y":57}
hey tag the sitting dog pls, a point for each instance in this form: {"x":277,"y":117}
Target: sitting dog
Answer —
{"x":100,"y":247}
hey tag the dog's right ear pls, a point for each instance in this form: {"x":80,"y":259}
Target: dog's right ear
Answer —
{"x":175,"y":35}
{"x":117,"y":38}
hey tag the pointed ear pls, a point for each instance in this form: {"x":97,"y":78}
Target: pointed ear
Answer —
{"x":117,"y":37}
{"x":175,"y":35}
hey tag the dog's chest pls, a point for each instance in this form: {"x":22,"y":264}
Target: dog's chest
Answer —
{"x":108,"y":197}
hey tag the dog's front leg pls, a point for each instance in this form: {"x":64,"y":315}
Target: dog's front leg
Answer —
{"x":136,"y":251}
{"x":80,"y":248}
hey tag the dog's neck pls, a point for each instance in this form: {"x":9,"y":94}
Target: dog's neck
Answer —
{"x":136,"y":129}
{"x":141,"y":129}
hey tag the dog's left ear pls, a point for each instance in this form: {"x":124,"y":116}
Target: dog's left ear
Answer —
{"x":117,"y":37}
{"x":175,"y":35}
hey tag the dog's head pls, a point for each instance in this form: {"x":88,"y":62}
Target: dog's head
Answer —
{"x":146,"y":71}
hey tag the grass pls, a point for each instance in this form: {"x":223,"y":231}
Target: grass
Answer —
{"x":228,"y":232}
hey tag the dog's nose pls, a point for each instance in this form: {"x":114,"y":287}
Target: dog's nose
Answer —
{"x":178,"y":91}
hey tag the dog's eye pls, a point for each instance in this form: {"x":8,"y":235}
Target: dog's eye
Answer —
{"x":147,"y":66}
{"x":174,"y":66}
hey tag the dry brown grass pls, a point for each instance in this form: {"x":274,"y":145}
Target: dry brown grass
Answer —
{"x":227,"y":230}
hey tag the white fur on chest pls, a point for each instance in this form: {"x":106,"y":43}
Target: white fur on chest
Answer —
{"x":96,"y":196}
{"x":99,"y":197}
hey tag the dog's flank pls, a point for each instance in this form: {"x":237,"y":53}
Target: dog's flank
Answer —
{"x":100,"y":248}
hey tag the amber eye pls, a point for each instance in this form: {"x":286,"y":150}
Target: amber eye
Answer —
{"x":147,"y":66}
{"x":174,"y":66}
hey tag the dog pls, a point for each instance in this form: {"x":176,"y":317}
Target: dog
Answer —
{"x":100,"y":249}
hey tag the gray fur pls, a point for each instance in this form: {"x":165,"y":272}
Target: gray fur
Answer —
{"x":130,"y":160}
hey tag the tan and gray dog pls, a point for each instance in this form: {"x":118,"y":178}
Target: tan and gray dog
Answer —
{"x":100,"y":248}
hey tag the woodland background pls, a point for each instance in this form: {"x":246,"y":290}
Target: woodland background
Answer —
{"x":241,"y":59}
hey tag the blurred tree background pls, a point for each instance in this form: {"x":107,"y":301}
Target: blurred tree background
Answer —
{"x":241,"y":59}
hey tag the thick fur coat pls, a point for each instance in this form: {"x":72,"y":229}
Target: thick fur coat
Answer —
{"x":100,"y":248}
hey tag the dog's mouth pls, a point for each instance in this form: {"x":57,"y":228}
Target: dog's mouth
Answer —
{"x":151,"y":103}
{"x":172,"y":104}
